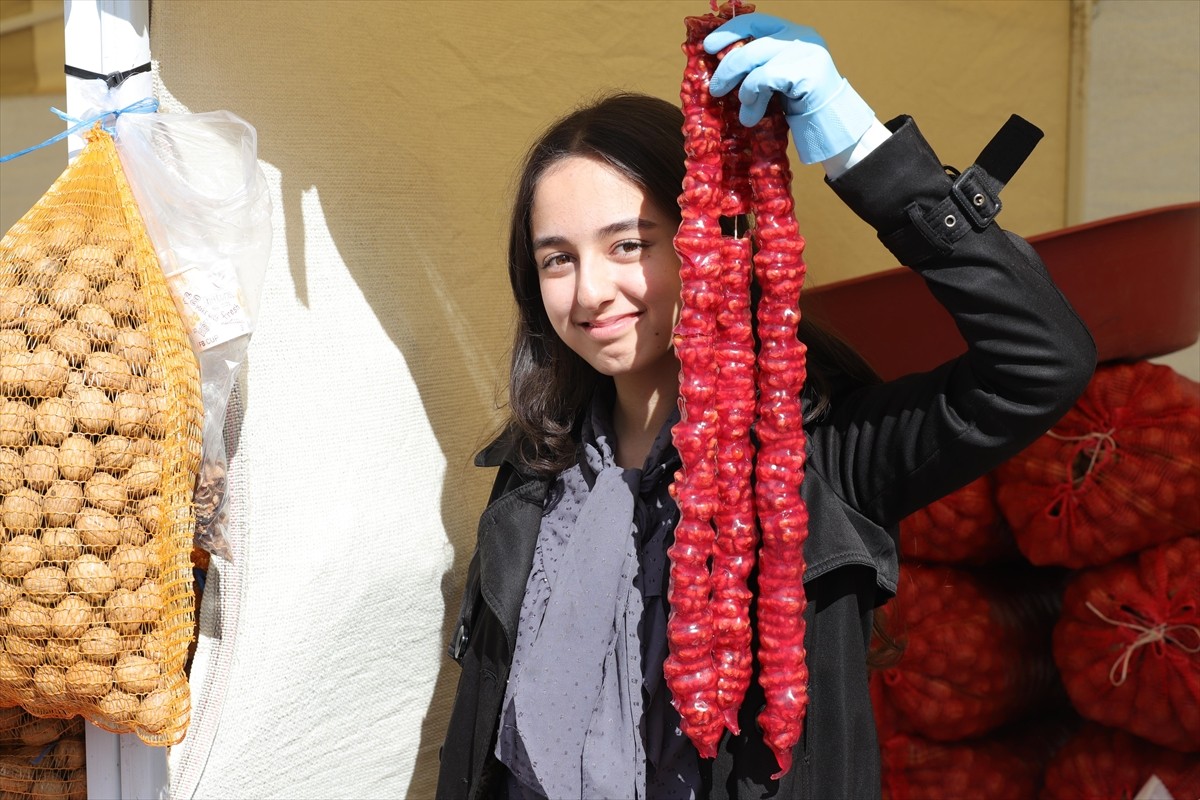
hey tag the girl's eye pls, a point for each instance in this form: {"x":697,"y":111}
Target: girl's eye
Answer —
{"x":555,"y":260}
{"x":631,"y":246}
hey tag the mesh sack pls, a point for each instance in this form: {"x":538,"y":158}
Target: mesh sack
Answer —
{"x":1128,"y":644}
{"x":1100,"y":763}
{"x":41,"y":759}
{"x":99,"y":449}
{"x":1006,"y":766}
{"x":974,"y":657}
{"x":964,"y":527}
{"x":1119,"y":473}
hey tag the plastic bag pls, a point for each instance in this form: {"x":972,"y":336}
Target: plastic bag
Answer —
{"x":208,"y":212}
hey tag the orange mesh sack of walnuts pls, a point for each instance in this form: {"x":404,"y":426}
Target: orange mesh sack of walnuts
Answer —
{"x":100,"y":425}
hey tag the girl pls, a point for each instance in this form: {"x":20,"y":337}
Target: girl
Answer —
{"x":562,"y":634}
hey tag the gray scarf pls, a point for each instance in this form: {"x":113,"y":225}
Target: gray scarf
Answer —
{"x":569,"y":726}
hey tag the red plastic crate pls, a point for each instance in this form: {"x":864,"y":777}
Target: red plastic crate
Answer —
{"x":1133,"y":279}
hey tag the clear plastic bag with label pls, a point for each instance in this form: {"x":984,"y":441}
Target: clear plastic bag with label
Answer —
{"x":207,"y":209}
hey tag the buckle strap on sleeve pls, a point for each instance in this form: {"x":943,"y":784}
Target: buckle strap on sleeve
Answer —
{"x":974,"y":199}
{"x":1009,"y":148}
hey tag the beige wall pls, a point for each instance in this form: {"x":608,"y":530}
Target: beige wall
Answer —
{"x":980,"y":62}
{"x":1143,"y":106}
{"x":31,"y":47}
{"x":26,"y":120}
{"x":1141,"y":139}
{"x":395,"y":130}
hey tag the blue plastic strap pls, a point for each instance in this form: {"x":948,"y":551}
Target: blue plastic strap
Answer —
{"x":146,"y":105}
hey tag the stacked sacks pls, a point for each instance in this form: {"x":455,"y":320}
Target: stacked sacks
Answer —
{"x":1113,"y":490}
{"x":1107,"y":505}
{"x":975,"y":664}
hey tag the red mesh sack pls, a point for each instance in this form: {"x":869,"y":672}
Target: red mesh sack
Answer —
{"x":974,"y":657}
{"x":964,"y":527}
{"x":1119,"y":473}
{"x":1128,"y":644}
{"x":1007,"y":767}
{"x":1100,"y":763}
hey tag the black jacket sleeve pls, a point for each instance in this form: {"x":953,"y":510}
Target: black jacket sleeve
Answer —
{"x":893,"y":448}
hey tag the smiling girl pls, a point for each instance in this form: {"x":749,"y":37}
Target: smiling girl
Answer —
{"x":563,"y":630}
{"x":608,"y":277}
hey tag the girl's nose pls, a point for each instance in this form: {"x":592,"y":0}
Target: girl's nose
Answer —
{"x":593,"y":284}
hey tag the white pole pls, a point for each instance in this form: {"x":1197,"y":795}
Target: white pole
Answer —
{"x":105,"y":36}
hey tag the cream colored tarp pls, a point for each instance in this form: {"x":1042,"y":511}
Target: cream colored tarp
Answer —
{"x":390,"y":132}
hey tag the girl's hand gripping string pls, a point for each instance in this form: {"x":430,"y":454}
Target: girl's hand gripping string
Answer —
{"x":826,"y":116}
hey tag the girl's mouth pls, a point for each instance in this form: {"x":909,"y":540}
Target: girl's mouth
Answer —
{"x":609,"y":327}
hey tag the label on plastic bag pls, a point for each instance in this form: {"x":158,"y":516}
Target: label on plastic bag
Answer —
{"x":211,"y":304}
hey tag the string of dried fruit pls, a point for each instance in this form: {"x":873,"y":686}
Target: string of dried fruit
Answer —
{"x":779,"y":468}
{"x":689,"y":669}
{"x":719,"y":176}
{"x":778,"y":382}
{"x":737,"y":533}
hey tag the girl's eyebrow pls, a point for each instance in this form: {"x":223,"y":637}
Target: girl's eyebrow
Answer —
{"x":621,"y":226}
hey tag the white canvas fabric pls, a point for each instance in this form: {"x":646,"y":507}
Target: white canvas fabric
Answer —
{"x":321,"y":643}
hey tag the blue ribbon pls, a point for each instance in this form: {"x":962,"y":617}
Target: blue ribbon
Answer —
{"x":147,"y":105}
{"x":45,"y":752}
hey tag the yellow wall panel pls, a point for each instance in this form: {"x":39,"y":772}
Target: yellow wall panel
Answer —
{"x":31,"y":47}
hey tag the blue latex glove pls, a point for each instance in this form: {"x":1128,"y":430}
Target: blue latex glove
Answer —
{"x":824,"y":112}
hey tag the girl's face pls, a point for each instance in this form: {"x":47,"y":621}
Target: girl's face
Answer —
{"x":607,"y":269}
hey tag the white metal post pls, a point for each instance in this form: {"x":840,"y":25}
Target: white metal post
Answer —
{"x":105,"y":36}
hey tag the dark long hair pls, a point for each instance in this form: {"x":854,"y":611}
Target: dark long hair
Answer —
{"x":550,"y":386}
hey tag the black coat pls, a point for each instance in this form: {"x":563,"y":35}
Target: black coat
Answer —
{"x":880,"y":453}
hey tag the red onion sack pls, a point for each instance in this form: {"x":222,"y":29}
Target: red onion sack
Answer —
{"x":1128,"y":644}
{"x":964,"y":527}
{"x":974,"y":657}
{"x":1007,"y":767}
{"x":1100,"y":763}
{"x":1119,"y":473}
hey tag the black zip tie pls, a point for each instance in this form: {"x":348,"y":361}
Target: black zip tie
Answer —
{"x":112,"y":79}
